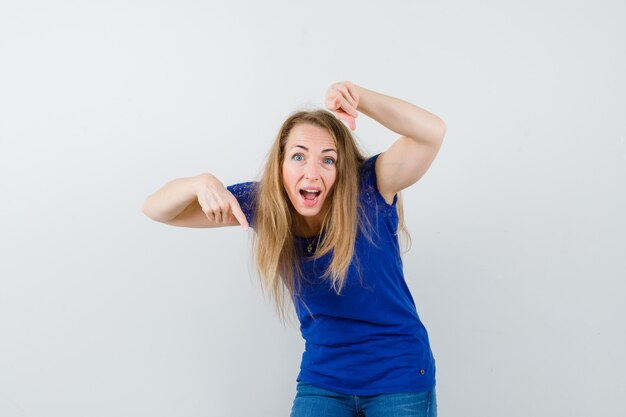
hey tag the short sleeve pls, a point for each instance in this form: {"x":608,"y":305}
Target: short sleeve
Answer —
{"x":245,"y":193}
{"x":369,"y":187}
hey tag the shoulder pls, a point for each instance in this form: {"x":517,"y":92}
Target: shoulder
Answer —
{"x":369,"y":183}
{"x":246,"y":193}
{"x":245,"y":190}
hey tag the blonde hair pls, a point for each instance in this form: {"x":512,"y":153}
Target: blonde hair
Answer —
{"x":275,"y":252}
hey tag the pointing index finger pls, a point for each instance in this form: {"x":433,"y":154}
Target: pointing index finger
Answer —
{"x":239,"y":215}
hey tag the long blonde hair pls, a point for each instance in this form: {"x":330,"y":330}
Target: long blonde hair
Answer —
{"x":275,"y":252}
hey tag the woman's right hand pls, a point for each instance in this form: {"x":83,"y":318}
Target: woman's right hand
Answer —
{"x":218,"y":204}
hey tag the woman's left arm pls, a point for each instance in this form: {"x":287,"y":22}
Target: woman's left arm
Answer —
{"x":409,"y":157}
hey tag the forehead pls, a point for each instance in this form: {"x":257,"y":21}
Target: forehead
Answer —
{"x":309,"y":135}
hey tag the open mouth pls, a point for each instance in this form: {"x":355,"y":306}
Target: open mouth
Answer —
{"x":310,"y":197}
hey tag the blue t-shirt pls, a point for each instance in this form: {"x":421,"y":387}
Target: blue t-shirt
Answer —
{"x":369,"y":339}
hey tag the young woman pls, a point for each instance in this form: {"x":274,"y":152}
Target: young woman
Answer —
{"x":326,"y":221}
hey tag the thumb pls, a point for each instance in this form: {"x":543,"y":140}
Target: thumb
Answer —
{"x":347,"y":119}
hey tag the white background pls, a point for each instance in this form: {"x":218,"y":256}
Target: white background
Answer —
{"x":519,"y":236}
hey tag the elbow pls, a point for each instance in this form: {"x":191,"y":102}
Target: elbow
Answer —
{"x":436,"y":132}
{"x":145,"y":213}
{"x":145,"y":209}
{"x":442,"y":129}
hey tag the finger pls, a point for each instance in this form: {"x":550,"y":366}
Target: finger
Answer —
{"x":218,"y":216}
{"x":341,"y":115}
{"x":347,"y":120}
{"x":354,"y":112}
{"x":348,"y":107}
{"x":336,"y":103}
{"x":348,"y":95}
{"x":353,"y":93}
{"x":340,"y":111}
{"x":239,"y":215}
{"x":209,"y":214}
{"x":351,"y":122}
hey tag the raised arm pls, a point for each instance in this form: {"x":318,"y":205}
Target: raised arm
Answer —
{"x":409,"y":157}
{"x":200,"y":201}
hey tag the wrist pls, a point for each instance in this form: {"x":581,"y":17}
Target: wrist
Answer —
{"x":363,"y":94}
{"x":201,"y":181}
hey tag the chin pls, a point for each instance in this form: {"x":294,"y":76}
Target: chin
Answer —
{"x":307,"y":212}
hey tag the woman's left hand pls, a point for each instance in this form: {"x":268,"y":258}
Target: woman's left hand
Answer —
{"x":342,"y":99}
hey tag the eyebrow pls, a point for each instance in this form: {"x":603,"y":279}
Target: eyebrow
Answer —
{"x":306,"y":149}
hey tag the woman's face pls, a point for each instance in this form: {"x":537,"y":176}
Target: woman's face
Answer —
{"x":309,"y":164}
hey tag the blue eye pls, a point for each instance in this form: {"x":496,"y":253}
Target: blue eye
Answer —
{"x":332,"y":161}
{"x":293,"y":157}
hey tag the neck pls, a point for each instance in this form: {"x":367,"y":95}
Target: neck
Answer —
{"x":308,"y":226}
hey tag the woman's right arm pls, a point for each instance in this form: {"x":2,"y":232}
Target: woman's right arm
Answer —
{"x":200,"y":201}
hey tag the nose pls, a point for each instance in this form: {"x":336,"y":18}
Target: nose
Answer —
{"x":312,"y":171}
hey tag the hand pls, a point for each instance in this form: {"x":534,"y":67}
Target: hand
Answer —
{"x":218,"y":204}
{"x":342,"y":99}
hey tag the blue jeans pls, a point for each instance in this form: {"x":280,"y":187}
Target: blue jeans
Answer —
{"x":313,"y":401}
